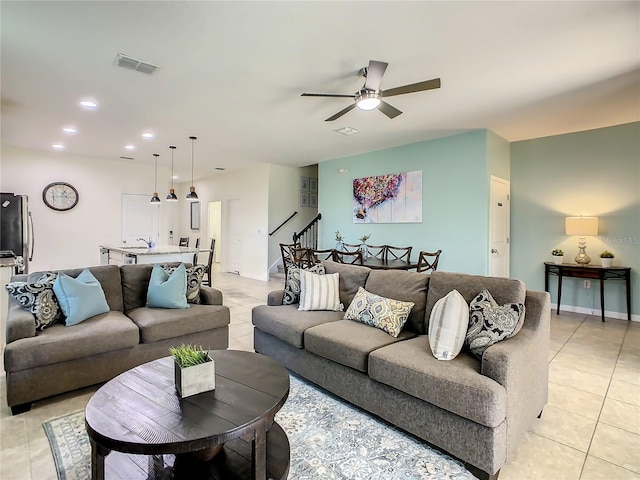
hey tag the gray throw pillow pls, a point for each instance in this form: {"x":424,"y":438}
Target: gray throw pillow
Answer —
{"x":194,"y":281}
{"x":38,"y":298}
{"x":490,"y":323}
{"x":292,"y":282}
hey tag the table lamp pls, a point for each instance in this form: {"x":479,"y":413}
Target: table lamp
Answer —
{"x":581,"y":227}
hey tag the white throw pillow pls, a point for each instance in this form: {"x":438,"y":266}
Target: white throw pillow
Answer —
{"x":319,"y":292}
{"x":448,"y":326}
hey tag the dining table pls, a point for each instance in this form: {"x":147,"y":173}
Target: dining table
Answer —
{"x":392,"y":264}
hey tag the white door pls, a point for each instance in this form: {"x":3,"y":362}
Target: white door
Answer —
{"x":499,"y":227}
{"x":215,"y":228}
{"x":140,"y":219}
{"x":234,"y":248}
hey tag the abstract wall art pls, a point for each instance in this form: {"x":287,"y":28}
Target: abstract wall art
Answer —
{"x":392,"y":198}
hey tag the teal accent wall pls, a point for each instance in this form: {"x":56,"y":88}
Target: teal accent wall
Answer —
{"x":455,"y":211}
{"x":591,"y":173}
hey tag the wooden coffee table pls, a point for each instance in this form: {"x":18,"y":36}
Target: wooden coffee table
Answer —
{"x":140,"y":412}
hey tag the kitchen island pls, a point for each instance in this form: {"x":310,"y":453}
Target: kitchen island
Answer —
{"x":125,"y":254}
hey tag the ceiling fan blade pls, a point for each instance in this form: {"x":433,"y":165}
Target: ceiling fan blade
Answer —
{"x":414,"y":87}
{"x":340,"y":95}
{"x":389,"y":110}
{"x":375,"y":71}
{"x":341,"y":112}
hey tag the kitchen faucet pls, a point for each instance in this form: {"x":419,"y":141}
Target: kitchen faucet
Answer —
{"x":148,"y":242}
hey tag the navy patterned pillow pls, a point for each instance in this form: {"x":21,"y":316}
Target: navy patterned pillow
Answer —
{"x":194,"y":280}
{"x":490,"y":323}
{"x":292,"y":283}
{"x":38,"y":298}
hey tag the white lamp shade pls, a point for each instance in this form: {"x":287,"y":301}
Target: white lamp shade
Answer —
{"x":581,"y":226}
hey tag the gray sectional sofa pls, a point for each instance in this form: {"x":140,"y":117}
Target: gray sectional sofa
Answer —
{"x":59,"y":359}
{"x":476,"y":410}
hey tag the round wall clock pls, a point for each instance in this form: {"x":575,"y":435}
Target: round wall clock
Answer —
{"x":60,"y":196}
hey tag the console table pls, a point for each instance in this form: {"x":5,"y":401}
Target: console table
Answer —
{"x":595,"y":272}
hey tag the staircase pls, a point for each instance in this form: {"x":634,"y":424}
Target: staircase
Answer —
{"x":308,"y":236}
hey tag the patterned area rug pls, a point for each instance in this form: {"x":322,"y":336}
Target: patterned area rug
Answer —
{"x":329,"y":439}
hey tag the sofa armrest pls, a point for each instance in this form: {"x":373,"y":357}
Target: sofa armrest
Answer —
{"x":275,"y":297}
{"x":521,"y":365}
{"x":210,"y":296}
{"x":20,"y":322}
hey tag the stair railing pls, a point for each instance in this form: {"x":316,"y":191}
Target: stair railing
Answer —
{"x":308,"y":236}
{"x":284,"y":223}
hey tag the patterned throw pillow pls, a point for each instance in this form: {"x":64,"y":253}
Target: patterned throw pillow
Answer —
{"x":38,"y":298}
{"x":448,"y":326}
{"x":292,"y":283}
{"x":194,"y":280}
{"x":380,"y":312}
{"x":491,"y":323}
{"x":319,"y":292}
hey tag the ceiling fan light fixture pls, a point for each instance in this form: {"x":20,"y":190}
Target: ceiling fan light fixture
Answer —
{"x":368,"y":100}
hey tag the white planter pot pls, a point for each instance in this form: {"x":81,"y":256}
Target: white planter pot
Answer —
{"x":606,"y":262}
{"x":558,"y":259}
{"x":196,"y":379}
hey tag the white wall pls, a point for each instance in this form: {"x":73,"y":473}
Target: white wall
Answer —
{"x":284,"y":199}
{"x":71,"y":239}
{"x":251,"y":187}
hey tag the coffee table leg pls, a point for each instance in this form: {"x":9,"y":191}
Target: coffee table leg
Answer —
{"x":259,"y":451}
{"x":98,"y":453}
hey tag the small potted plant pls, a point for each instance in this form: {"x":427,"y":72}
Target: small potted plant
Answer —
{"x":339,"y":241}
{"x":194,"y":370}
{"x":606,"y":258}
{"x":558,"y":256}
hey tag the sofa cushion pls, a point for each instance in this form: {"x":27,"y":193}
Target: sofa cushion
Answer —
{"x":404,"y":286}
{"x":504,"y":290}
{"x":38,"y":298}
{"x":384,"y":313}
{"x":194,"y":280}
{"x":109,"y":278}
{"x":288,"y":323}
{"x":135,"y":282}
{"x":491,"y":323}
{"x":448,"y":326}
{"x":319,"y":292}
{"x":456,"y":386}
{"x":351,"y":277}
{"x":80,"y":298}
{"x":102,"y":333}
{"x":160,"y":323}
{"x":348,"y":343}
{"x":167,"y":290}
{"x":292,"y":282}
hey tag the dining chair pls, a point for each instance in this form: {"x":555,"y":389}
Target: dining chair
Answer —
{"x":377,"y":251}
{"x":207,"y":272}
{"x":289,"y":256}
{"x":353,"y":258}
{"x":318,"y":255}
{"x":184,"y":242}
{"x":195,"y":255}
{"x":352,"y":247}
{"x":428,"y":261}
{"x":398,"y":253}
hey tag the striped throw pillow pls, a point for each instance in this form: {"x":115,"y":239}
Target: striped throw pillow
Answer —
{"x":319,"y":292}
{"x":448,"y":326}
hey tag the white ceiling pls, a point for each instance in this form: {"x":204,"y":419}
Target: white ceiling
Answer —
{"x":232,"y":74}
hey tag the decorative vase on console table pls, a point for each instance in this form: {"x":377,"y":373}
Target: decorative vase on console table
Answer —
{"x":606,"y":258}
{"x":558,"y":256}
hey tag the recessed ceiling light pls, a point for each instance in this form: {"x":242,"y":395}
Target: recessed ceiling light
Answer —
{"x":148,"y":135}
{"x":347,"y":131}
{"x":70,"y":130}
{"x":130,"y":147}
{"x":58,"y":146}
{"x":89,"y":104}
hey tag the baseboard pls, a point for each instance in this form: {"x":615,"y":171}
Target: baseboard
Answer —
{"x":595,"y":312}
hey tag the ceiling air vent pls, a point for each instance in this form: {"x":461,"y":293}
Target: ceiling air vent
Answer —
{"x":131,"y":63}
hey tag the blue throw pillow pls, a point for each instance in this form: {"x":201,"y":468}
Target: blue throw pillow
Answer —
{"x":168,"y":290}
{"x":80,"y":298}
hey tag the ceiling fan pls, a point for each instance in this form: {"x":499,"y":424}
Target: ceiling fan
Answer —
{"x":369,"y":97}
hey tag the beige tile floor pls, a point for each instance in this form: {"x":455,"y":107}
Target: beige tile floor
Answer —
{"x":589,"y":430}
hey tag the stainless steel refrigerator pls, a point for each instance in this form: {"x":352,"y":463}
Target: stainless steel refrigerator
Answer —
{"x":16,"y":229}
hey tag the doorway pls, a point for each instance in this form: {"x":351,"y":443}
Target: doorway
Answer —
{"x":499,"y":227}
{"x":215,"y":228}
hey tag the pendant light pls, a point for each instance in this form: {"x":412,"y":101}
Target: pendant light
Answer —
{"x":155,"y":200}
{"x":192,"y":196}
{"x":172,"y":193}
